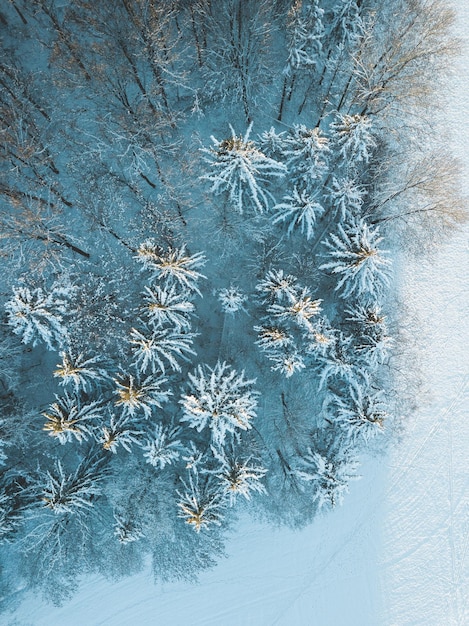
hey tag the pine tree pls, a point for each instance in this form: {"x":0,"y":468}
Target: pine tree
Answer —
{"x":306,"y":153}
{"x":272,"y":338}
{"x":337,"y":359}
{"x":329,"y":473}
{"x":360,"y":411}
{"x":300,"y":311}
{"x":118,"y":432}
{"x":164,"y":448}
{"x":347,"y":24}
{"x":155,"y":349}
{"x":353,"y":135}
{"x":306,"y":32}
{"x":287,"y":362}
{"x":137,"y":394}
{"x":357,"y":259}
{"x":372,"y":341}
{"x":72,"y":493}
{"x":232,"y":300}
{"x":70,"y":417}
{"x":168,"y":307}
{"x":277,"y":286}
{"x":346,"y":197}
{"x":239,"y":477}
{"x":300,"y":210}
{"x":272,"y":143}
{"x":220,"y":399}
{"x":172,"y":266}
{"x":38,"y":316}
{"x":201,"y":502}
{"x":84,"y":374}
{"x":241,"y":170}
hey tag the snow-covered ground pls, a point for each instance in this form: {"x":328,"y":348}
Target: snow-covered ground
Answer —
{"x":396,"y":553}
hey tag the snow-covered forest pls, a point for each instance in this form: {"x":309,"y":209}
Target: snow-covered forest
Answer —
{"x":201,"y":205}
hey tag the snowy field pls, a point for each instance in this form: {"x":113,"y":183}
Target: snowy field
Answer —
{"x":396,"y":553}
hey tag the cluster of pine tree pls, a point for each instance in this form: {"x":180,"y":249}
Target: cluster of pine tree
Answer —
{"x":195,"y":326}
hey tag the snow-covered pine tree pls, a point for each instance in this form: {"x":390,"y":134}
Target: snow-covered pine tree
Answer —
{"x":155,"y":349}
{"x":346,"y":196}
{"x":241,"y":170}
{"x":38,"y":316}
{"x":337,"y":360}
{"x":220,"y":399}
{"x":357,"y":259}
{"x":126,"y":530}
{"x":71,"y":417}
{"x":299,"y":210}
{"x":330,"y":473}
{"x":306,"y":32}
{"x":83,"y":373}
{"x":140,"y":394}
{"x":374,"y":347}
{"x":306,"y":152}
{"x":72,"y":493}
{"x":164,"y":447}
{"x":353,"y":135}
{"x":277,"y":286}
{"x":287,"y":361}
{"x":347,"y":24}
{"x":320,"y":337}
{"x":201,"y":501}
{"x":239,"y":476}
{"x":360,"y":411}
{"x":119,"y":431}
{"x":372,"y":341}
{"x":272,"y":143}
{"x":168,"y":306}
{"x":173,"y":266}
{"x":300,"y":311}
{"x":232,"y":300}
{"x":272,"y":338}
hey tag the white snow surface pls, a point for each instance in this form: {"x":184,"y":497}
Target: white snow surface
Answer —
{"x":396,"y":553}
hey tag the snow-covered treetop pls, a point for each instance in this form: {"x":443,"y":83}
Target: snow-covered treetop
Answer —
{"x":347,"y":21}
{"x":164,"y":447}
{"x":81,"y":372}
{"x":68,"y":417}
{"x":306,"y":151}
{"x":232,"y":300}
{"x":168,"y":306}
{"x":330,"y":474}
{"x":137,"y":394}
{"x":119,"y":431}
{"x":201,"y":502}
{"x":172,"y":266}
{"x":300,"y":210}
{"x":154,"y":349}
{"x":278,"y":286}
{"x":306,"y":31}
{"x":238,"y":476}
{"x":346,"y":196}
{"x":360,"y":411}
{"x":300,"y":310}
{"x":353,"y":135}
{"x":357,"y":259}
{"x":219,"y":399}
{"x":38,"y":316}
{"x":240,"y":169}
